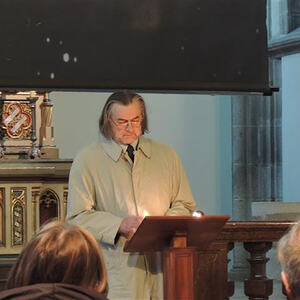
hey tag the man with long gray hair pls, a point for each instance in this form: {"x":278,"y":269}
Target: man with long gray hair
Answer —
{"x":289,"y":257}
{"x":114,"y":184}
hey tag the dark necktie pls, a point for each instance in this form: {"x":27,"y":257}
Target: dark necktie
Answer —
{"x":130,"y":152}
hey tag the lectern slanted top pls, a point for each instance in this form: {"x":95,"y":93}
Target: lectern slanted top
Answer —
{"x":156,"y":232}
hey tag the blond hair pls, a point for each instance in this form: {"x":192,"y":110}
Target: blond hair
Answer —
{"x":289,"y":257}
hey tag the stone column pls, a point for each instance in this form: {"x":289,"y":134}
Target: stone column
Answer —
{"x":256,"y":156}
{"x":46,"y":130}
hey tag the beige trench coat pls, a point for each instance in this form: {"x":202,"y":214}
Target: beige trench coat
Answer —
{"x":105,"y":187}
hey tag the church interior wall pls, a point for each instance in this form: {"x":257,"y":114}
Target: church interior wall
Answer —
{"x":290,"y":127}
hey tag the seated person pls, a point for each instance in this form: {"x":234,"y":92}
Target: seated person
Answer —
{"x":61,"y":262}
{"x":289,"y":257}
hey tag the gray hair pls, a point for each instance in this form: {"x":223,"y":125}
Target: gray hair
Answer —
{"x":124,"y":98}
{"x":289,"y":257}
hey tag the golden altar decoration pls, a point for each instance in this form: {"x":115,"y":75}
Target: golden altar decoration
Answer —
{"x":33,"y":180}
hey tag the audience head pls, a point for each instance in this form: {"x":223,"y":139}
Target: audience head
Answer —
{"x":60,"y":253}
{"x":289,"y":257}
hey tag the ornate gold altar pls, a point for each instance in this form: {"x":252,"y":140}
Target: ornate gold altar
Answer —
{"x":26,"y":126}
{"x":33,"y":180}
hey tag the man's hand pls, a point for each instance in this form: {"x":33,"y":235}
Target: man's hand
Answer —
{"x":129,"y":225}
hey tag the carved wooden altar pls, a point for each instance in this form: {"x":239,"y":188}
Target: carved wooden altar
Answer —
{"x":33,"y":180}
{"x":31,"y":192}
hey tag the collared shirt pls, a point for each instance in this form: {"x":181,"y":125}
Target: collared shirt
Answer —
{"x":104,"y":188}
{"x":134,"y":145}
{"x":124,"y":147}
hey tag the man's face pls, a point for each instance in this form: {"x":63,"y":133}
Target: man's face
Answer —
{"x":126,"y":122}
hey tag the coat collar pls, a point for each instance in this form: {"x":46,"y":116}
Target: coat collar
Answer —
{"x":114,"y":150}
{"x":145,"y":145}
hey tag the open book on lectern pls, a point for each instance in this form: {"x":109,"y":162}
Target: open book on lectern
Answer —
{"x":155,"y":233}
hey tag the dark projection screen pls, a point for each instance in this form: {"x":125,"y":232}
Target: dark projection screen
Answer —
{"x":148,"y":45}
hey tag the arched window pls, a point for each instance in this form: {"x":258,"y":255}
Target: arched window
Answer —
{"x":48,"y":206}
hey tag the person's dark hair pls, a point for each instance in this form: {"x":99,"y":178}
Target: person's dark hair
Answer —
{"x":125,"y":98}
{"x":60,"y":253}
{"x":289,"y":257}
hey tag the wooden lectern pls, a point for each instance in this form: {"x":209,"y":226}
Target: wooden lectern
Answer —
{"x":178,"y":238}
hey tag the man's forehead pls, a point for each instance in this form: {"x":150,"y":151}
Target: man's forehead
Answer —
{"x":119,"y":109}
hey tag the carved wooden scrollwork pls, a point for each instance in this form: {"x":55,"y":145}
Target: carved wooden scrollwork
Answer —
{"x":18,"y":216}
